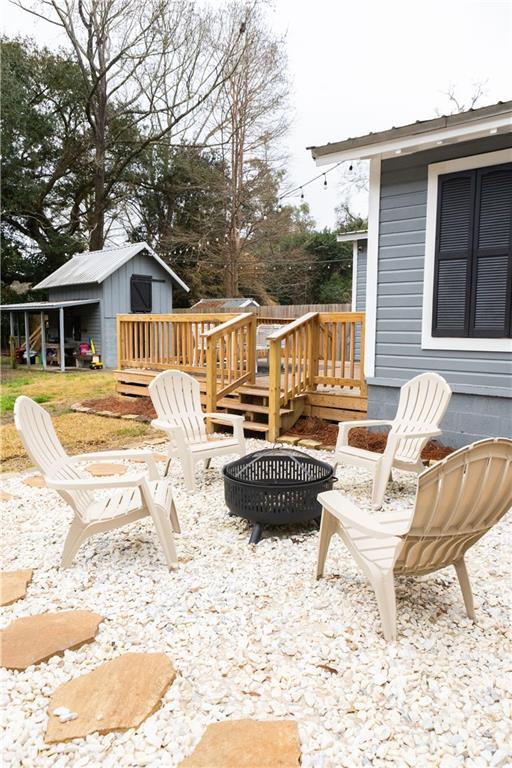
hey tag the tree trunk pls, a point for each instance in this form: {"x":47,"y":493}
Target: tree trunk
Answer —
{"x":97,"y":231}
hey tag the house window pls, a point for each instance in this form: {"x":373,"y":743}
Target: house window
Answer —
{"x":472,"y":296}
{"x":140,"y":294}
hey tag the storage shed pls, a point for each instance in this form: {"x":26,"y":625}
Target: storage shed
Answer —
{"x":88,"y":291}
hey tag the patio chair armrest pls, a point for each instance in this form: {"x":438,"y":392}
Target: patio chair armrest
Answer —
{"x":86,"y":484}
{"x":352,"y":516}
{"x":344,"y":427}
{"x":124,"y":455}
{"x":413,"y":431}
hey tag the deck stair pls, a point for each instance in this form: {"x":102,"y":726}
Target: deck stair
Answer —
{"x":315,"y":364}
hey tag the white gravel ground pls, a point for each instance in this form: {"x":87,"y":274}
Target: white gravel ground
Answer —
{"x":248,"y":629}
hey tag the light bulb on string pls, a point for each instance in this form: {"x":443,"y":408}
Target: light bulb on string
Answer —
{"x":325,"y":181}
{"x":301,"y":194}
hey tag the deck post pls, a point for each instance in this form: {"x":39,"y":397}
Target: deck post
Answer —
{"x":313,"y":345}
{"x":43,"y":341}
{"x":274,"y":388}
{"x":118,"y":341}
{"x":252,"y":348}
{"x":27,"y":338}
{"x":61,"y":340}
{"x":211,"y":379}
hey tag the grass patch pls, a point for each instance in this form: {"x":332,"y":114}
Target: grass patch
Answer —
{"x":7,"y":401}
{"x":79,"y":433}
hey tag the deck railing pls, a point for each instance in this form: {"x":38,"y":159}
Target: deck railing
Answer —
{"x":159,"y":342}
{"x":323,"y":349}
{"x":230,"y":357}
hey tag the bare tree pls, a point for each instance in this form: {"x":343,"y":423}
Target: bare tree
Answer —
{"x":456,"y":104}
{"x":251,"y":112}
{"x":148,"y":67}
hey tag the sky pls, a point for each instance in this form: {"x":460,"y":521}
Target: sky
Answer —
{"x":364,"y":66}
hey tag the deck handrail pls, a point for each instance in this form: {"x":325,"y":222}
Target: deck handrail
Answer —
{"x":230,"y":357}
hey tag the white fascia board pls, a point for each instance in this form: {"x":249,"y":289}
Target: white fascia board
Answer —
{"x":349,"y":237}
{"x":372,"y":268}
{"x":354,"y":276}
{"x":420,"y":142}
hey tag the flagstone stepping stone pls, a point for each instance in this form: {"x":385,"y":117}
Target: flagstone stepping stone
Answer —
{"x":156,"y":456}
{"x":4,"y":496}
{"x":36,"y":638}
{"x":103,"y":469}
{"x":289,"y":439}
{"x":35,"y":481}
{"x":115,"y":696}
{"x":13,"y":585}
{"x":307,"y":443}
{"x":247,"y":744}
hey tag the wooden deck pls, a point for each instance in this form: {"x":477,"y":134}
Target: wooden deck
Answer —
{"x":313,"y":366}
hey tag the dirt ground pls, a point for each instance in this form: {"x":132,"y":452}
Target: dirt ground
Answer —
{"x":327,"y":432}
{"x":311,"y":427}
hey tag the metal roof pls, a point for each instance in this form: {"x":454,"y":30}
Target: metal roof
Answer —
{"x":349,"y":237}
{"x":458,"y":124}
{"x":236,"y":303}
{"x":41,"y":306}
{"x":96,"y":266}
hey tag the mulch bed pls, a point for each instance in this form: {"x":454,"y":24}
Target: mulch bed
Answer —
{"x":311,"y":427}
{"x":327,"y":433}
{"x":123,"y":406}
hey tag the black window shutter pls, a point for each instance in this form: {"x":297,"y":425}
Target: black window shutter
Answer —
{"x":454,"y":242}
{"x":492,"y":254}
{"x":140,"y":294}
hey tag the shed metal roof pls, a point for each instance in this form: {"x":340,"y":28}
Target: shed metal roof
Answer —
{"x":96,"y":266}
{"x":234,"y":303}
{"x":41,"y":306}
{"x":496,"y":118}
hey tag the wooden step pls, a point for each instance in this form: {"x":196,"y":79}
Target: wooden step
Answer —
{"x":235,"y":405}
{"x":250,"y":426}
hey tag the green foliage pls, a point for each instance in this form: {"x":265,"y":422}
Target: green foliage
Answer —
{"x":7,"y":401}
{"x":45,"y":172}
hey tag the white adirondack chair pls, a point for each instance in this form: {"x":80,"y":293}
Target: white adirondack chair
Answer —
{"x":422,"y":405}
{"x":131,"y":498}
{"x":457,"y":501}
{"x":176,"y":397}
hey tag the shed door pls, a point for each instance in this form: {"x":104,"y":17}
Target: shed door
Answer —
{"x":140,"y":294}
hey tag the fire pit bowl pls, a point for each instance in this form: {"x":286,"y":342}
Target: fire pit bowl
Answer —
{"x":277,"y":486}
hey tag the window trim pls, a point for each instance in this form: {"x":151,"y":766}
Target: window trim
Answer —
{"x":470,"y":344}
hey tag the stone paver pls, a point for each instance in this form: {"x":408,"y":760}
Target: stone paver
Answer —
{"x":308,"y":443}
{"x":247,"y":744}
{"x":288,"y":439}
{"x":35,"y":481}
{"x":33,"y":639}
{"x":4,"y":496}
{"x":156,"y":456}
{"x":102,"y":469}
{"x":115,"y":696}
{"x":13,"y":585}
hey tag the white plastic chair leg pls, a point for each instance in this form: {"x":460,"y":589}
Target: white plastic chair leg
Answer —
{"x":384,"y":586}
{"x":189,"y":473}
{"x":380,"y":481}
{"x":165,"y":535}
{"x":465,"y":586}
{"x":74,"y":540}
{"x":328,"y":526}
{"x":173,"y":516}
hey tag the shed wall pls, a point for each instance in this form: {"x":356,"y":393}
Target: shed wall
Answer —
{"x":116,"y":298}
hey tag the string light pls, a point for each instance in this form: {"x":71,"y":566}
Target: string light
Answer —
{"x":301,"y":194}
{"x":325,"y":181}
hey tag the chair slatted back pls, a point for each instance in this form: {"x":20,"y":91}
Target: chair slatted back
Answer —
{"x":423,"y":400}
{"x":37,"y":433}
{"x":457,"y":501}
{"x":176,"y":397}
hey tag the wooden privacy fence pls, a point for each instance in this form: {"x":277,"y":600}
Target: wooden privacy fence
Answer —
{"x":316,"y":350}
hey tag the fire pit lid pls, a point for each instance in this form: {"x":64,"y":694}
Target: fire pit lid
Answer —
{"x":277,"y":466}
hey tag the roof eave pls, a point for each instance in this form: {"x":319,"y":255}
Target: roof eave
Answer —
{"x":396,"y":142}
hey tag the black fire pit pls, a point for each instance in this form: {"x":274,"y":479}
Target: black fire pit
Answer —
{"x":278,"y":486}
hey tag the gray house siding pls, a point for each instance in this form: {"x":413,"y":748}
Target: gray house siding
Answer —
{"x":476,"y":377}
